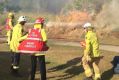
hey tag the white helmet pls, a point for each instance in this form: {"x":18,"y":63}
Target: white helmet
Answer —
{"x":86,"y":25}
{"x":22,"y":18}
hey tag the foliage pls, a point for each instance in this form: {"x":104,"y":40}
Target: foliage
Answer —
{"x":2,"y":19}
{"x":13,"y":8}
{"x":1,"y":7}
{"x":88,"y":5}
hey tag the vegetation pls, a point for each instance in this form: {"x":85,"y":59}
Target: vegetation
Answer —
{"x":85,"y":5}
{"x":2,"y":19}
{"x":63,"y":63}
{"x":54,"y":6}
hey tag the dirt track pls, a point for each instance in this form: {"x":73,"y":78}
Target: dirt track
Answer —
{"x":102,"y":47}
{"x":57,"y":68}
{"x":66,"y":43}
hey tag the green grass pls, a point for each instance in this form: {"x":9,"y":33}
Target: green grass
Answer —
{"x":63,"y":63}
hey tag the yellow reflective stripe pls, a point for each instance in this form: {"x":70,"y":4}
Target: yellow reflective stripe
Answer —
{"x":39,"y":54}
{"x":25,"y":51}
{"x":34,"y":39}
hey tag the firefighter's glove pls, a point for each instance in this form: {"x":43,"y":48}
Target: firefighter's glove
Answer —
{"x":83,"y":44}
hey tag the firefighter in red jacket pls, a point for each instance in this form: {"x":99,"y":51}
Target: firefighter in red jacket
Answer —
{"x":41,"y":56}
{"x":35,"y":45}
{"x":39,"y":31}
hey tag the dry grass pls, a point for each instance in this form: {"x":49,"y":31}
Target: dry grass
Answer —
{"x":32,"y":16}
{"x":69,"y":67}
{"x":74,"y":16}
{"x":63,"y":63}
{"x":109,"y":41}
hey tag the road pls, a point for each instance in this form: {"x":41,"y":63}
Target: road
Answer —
{"x":111,"y":48}
{"x":102,"y":47}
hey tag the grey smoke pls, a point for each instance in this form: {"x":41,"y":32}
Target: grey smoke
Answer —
{"x":109,"y":16}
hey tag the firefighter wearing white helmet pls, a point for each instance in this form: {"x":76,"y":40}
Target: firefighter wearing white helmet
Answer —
{"x":86,"y":25}
{"x":17,"y":37}
{"x":22,"y":19}
{"x":91,"y":55}
{"x":37,"y":36}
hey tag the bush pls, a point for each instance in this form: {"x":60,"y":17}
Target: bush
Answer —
{"x":2,"y":19}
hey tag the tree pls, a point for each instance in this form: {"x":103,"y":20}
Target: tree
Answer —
{"x":83,"y":4}
{"x":1,"y":7}
{"x":88,"y":5}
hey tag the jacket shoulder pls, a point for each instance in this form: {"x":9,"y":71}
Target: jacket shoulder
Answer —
{"x":91,"y":35}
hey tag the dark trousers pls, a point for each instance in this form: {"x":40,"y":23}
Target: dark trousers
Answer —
{"x":42,"y":66}
{"x":15,"y":58}
{"x":115,"y":61}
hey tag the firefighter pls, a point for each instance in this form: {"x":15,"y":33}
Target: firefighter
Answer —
{"x":9,"y":26}
{"x":39,"y":23}
{"x":91,"y":55}
{"x":35,"y":45}
{"x":17,"y":37}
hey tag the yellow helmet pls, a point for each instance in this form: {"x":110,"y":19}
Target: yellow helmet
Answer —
{"x":10,"y":15}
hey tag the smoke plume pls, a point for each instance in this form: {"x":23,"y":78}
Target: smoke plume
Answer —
{"x":108,"y":18}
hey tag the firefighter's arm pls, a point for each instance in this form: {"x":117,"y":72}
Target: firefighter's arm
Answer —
{"x":86,"y":56}
{"x":87,"y":48}
{"x":10,"y":24}
{"x":44,"y":36}
{"x":23,"y":37}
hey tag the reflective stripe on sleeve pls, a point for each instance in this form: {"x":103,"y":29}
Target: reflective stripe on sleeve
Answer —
{"x":35,"y":39}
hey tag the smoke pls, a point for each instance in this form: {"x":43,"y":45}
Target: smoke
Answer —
{"x":108,"y":18}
